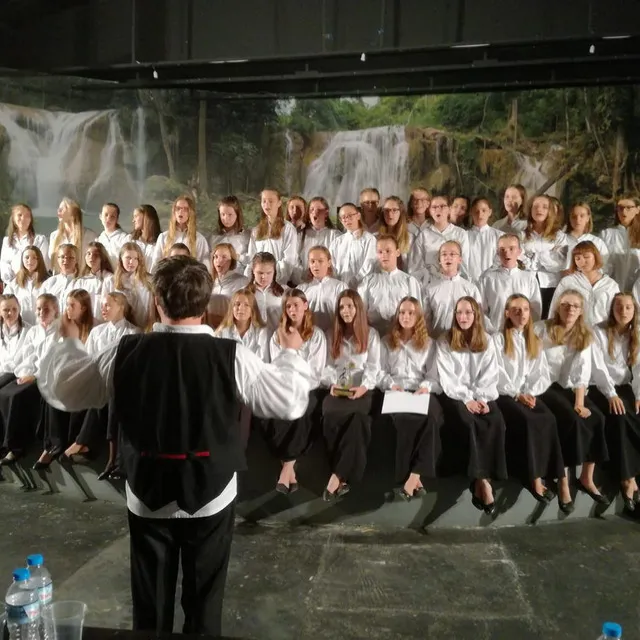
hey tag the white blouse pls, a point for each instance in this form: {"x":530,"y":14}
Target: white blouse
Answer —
{"x":113,"y":242}
{"x":520,"y":374}
{"x":569,"y":368}
{"x":270,"y":306}
{"x":96,"y":285}
{"x":148,"y":251}
{"x":572,"y":241}
{"x":616,"y":240}
{"x":107,"y":333}
{"x":322,"y":296}
{"x":416,"y":229}
{"x":426,"y":247}
{"x":223,"y":289}
{"x":239,"y":241}
{"x":11,"y":342}
{"x":609,"y":373}
{"x":202,"y":248}
{"x":361,"y":369}
{"x":381,"y":293}
{"x":312,"y":238}
{"x":409,"y":368}
{"x":353,"y":257}
{"x":140,"y":298}
{"x":27,"y":297}
{"x":498,"y":283}
{"x":256,"y":339}
{"x":547,"y":257}
{"x":59,"y":286}
{"x":11,"y":256}
{"x":517,"y":227}
{"x":284,"y":249}
{"x":597,"y":297}
{"x":440,"y":299}
{"x":467,"y":376}
{"x":483,"y":250}
{"x":35,"y":345}
{"x":314,"y":351}
{"x":87,"y":237}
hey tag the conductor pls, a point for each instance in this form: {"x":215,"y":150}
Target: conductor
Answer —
{"x":176,"y":394}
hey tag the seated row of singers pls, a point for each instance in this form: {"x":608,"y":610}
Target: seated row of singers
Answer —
{"x":546,"y":248}
{"x":539,"y":399}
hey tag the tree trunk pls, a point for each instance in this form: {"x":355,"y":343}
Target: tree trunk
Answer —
{"x":514,"y":120}
{"x":202,"y":148}
{"x":166,"y":144}
{"x":566,"y":116}
{"x":619,"y":162}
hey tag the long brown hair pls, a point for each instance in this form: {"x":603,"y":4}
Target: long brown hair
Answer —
{"x":360,"y":325}
{"x":327,"y":253}
{"x":552,"y":224}
{"x":634,"y":233}
{"x":39,"y":275}
{"x":474,"y":339}
{"x":631,"y":330}
{"x":586,"y":246}
{"x":11,"y":227}
{"x":85,"y":324}
{"x":579,"y":337}
{"x":105,"y":261}
{"x":140,"y":274}
{"x":191,"y":226}
{"x":232,"y":254}
{"x":419,"y":337}
{"x":121,"y":299}
{"x":264,"y":257}
{"x":412,"y":202}
{"x":307,"y":322}
{"x":77,"y":233}
{"x":150,"y":225}
{"x":532,"y":342}
{"x":400,"y":230}
{"x":238,"y":225}
{"x":264,"y":230}
{"x":256,"y":319}
{"x":307,"y":220}
{"x":523,"y":196}
{"x":587,"y":208}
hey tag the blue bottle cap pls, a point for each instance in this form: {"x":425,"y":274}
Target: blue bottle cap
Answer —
{"x":21,"y":574}
{"x":611,"y":630}
{"x":35,"y":559}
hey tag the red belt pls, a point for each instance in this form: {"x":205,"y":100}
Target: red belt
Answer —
{"x":175,"y":456}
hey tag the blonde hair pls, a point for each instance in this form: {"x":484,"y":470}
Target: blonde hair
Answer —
{"x":39,"y":275}
{"x":579,"y":337}
{"x":121,"y":299}
{"x":77,"y":232}
{"x":532,"y":342}
{"x":400,"y":230}
{"x":191,"y":226}
{"x":631,"y":330}
{"x":11,"y":227}
{"x":419,"y":337}
{"x":587,"y":208}
{"x":327,"y":254}
{"x":264,"y":230}
{"x":256,"y":318}
{"x":552,"y":224}
{"x":473,"y":339}
{"x":140,"y":274}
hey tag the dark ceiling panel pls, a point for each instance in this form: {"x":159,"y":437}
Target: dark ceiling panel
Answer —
{"x":427,"y":24}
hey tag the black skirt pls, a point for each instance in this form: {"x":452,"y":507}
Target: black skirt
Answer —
{"x":93,"y":430}
{"x":290,"y":439}
{"x":418,"y":441}
{"x":477,"y":441}
{"x":21,"y":409}
{"x":346,"y":428}
{"x":581,"y":439}
{"x":622,"y":433}
{"x":533,"y":445}
{"x":56,"y":427}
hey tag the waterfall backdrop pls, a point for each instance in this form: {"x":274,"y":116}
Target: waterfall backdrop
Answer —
{"x":150,"y":146}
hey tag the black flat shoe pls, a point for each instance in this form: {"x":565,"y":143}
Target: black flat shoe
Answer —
{"x":327,"y":496}
{"x":282,"y":488}
{"x":2,"y":478}
{"x":475,"y":501}
{"x":293,"y":487}
{"x":420,"y":492}
{"x":405,"y":495}
{"x":567,"y":507}
{"x":10,"y":459}
{"x":629,"y":503}
{"x":489,"y":509}
{"x":117,"y":474}
{"x":636,"y":495}
{"x":343,"y":490}
{"x":107,"y":472}
{"x":42,"y":466}
{"x":596,"y":497}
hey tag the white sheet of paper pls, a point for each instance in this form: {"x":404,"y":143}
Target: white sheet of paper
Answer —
{"x":405,"y":402}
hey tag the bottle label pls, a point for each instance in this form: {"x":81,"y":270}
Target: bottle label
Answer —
{"x":23,"y":614}
{"x":45,"y":594}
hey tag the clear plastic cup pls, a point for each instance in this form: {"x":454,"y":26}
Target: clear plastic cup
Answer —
{"x":64,"y":620}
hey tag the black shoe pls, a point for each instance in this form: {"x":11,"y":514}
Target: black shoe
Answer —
{"x":343,"y":490}
{"x":293,"y":487}
{"x":419,"y":492}
{"x":475,"y":501}
{"x":327,"y":496}
{"x":629,"y":504}
{"x":117,"y":474}
{"x":596,"y":497}
{"x":282,"y":488}
{"x":489,"y":509}
{"x":2,"y":478}
{"x":79,"y":458}
{"x":107,"y":472}
{"x":567,"y":507}
{"x":405,"y":495}
{"x":10,"y":460}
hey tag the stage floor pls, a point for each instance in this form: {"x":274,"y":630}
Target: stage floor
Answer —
{"x":545,"y":581}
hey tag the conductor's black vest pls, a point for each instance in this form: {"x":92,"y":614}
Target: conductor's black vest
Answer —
{"x":176,"y":405}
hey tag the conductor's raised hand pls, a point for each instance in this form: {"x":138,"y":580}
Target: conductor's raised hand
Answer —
{"x":68,"y":328}
{"x":290,"y":338}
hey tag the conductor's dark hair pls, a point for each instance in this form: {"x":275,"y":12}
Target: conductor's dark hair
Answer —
{"x":182,"y":286}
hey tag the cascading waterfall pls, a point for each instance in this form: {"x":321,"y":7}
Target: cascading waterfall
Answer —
{"x":533,"y":173}
{"x":82,"y":155}
{"x":354,"y":160}
{"x":288,"y":153}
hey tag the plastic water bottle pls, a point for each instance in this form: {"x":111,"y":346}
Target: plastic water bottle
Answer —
{"x":22,"y":607}
{"x":611,"y":630}
{"x":40,"y":578}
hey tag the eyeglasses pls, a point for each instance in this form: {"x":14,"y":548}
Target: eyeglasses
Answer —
{"x":369,"y":203}
{"x":438,"y":207}
{"x":388,"y":210}
{"x":568,"y":306}
{"x":421,"y":200}
{"x":626,"y":207}
{"x":348,"y":216}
